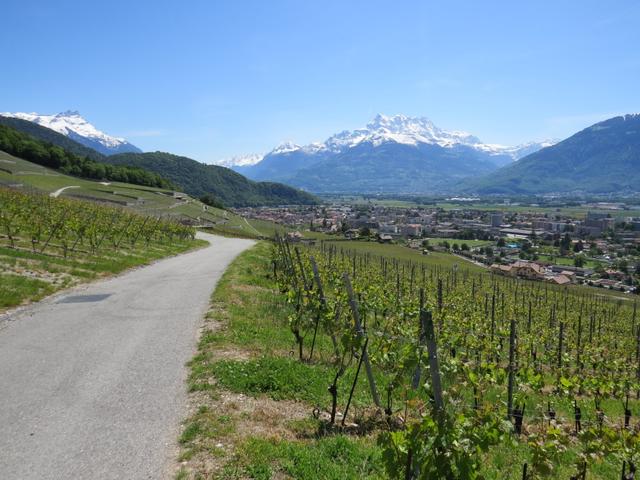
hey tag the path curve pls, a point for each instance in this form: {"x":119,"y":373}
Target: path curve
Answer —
{"x":92,"y":382}
{"x":57,"y":193}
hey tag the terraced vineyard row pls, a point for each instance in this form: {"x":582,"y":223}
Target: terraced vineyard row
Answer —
{"x":62,"y":226}
{"x":465,"y":367}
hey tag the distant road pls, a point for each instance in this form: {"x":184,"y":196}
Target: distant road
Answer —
{"x":92,"y":382}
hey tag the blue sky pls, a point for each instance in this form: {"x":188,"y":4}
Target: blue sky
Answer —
{"x":211,"y":79}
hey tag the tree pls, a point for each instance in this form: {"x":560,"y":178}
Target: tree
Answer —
{"x":501,"y":242}
{"x":464,"y":247}
{"x":565,"y":243}
{"x":212,"y":201}
{"x":623,"y":265}
{"x":579,"y":261}
{"x":578,"y":247}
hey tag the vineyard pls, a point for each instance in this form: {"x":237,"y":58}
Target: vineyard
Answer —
{"x":56,"y":242}
{"x":465,"y":368}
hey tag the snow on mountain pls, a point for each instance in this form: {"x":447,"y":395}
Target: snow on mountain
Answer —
{"x":74,"y":126}
{"x":517,"y":152}
{"x":400,"y":129}
{"x":406,"y":130}
{"x":240,"y":161}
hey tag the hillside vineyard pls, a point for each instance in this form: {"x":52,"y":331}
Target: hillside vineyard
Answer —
{"x":459,"y":359}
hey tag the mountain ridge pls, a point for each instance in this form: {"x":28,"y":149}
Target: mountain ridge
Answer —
{"x":399,"y":128}
{"x":72,"y":125}
{"x":387,"y":140}
{"x":602,"y":158}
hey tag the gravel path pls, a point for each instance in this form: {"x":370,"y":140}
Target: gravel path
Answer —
{"x":92,"y":381}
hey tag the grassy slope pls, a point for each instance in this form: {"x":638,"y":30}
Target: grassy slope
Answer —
{"x":252,"y":401}
{"x":401,"y":252}
{"x":151,"y":201}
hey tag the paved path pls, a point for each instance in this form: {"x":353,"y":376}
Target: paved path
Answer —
{"x":57,"y":193}
{"x":92,"y":381}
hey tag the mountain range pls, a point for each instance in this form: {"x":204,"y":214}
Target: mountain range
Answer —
{"x":602,"y":158}
{"x":392,"y":154}
{"x":72,"y":125}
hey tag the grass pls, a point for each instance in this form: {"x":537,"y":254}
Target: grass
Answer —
{"x":558,"y":260}
{"x":330,"y":458}
{"x":444,"y":260}
{"x":472,"y":243}
{"x":16,"y":288}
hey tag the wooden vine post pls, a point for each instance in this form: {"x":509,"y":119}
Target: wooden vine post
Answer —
{"x":426,"y":320}
{"x":422,"y":340}
{"x":323,"y":302}
{"x":512,"y":367}
{"x":353,"y":303}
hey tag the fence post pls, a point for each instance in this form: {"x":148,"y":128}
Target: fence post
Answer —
{"x":512,"y":368}
{"x":323,"y":301}
{"x":422,"y":339}
{"x":353,"y":303}
{"x":427,"y":320}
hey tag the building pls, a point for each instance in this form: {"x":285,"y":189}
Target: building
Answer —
{"x":560,"y":280}
{"x":520,"y":232}
{"x":411,"y":229}
{"x":530,"y":270}
{"x":521,"y":269}
{"x":496,"y":219}
{"x":388,"y":228}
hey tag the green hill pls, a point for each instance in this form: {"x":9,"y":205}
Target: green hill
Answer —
{"x":198,"y":179}
{"x":50,"y":136}
{"x":44,"y":153}
{"x":603,"y":158}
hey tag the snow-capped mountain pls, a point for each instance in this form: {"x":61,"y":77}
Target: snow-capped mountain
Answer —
{"x":409,"y":131}
{"x":387,"y":147}
{"x":74,"y":126}
{"x":240,"y":161}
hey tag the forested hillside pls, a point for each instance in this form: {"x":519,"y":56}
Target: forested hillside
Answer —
{"x":51,"y":136}
{"x":199,"y":179}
